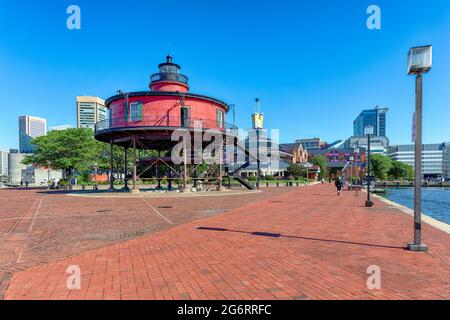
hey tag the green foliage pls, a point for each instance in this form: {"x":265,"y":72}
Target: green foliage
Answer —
{"x":296,"y":170}
{"x":83,"y":179}
{"x":381,"y":165}
{"x":269,"y":178}
{"x":322,"y":162}
{"x":355,"y":180}
{"x":401,"y":171}
{"x":69,"y":149}
{"x":201,"y":168}
{"x":63,"y":182}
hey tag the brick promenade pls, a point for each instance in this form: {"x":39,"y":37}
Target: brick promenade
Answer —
{"x":301,"y":244}
{"x":37,"y":227}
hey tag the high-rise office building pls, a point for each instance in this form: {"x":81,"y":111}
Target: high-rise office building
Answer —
{"x":4,"y":162}
{"x":90,"y":110}
{"x":375,"y":117}
{"x":30,"y":127}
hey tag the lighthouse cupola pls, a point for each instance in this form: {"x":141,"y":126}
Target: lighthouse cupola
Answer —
{"x":169,"y":78}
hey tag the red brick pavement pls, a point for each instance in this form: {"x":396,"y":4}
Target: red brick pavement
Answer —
{"x":324,"y":249}
{"x":37,"y":227}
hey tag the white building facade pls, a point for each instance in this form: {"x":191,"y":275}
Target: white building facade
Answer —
{"x":15,"y":167}
{"x":90,"y":110}
{"x":4,"y":162}
{"x":39,"y":176}
{"x":60,"y":127}
{"x":434,"y":158}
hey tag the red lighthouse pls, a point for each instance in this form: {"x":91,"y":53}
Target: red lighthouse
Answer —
{"x":147,"y":119}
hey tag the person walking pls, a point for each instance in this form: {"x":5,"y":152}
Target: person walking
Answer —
{"x":338,"y":183}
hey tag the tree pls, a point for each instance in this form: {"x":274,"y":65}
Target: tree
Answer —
{"x":380,"y":166}
{"x":68,"y":150}
{"x":322,"y":162}
{"x":296,"y":170}
{"x":400,"y":170}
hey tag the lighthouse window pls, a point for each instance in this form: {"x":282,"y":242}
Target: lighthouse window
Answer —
{"x":168,"y":69}
{"x":219,"y":114}
{"x":185,"y":117}
{"x":136,"y":111}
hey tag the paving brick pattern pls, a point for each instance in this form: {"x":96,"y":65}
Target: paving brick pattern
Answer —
{"x":303,"y":244}
{"x":37,"y":227}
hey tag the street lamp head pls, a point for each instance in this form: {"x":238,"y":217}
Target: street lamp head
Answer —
{"x":420,"y":60}
{"x":368,"y":130}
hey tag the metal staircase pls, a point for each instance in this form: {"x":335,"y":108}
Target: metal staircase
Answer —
{"x":236,"y":173}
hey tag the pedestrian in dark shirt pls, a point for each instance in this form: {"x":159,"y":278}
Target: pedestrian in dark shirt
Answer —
{"x":338,"y":183}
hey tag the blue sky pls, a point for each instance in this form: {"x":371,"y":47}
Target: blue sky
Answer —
{"x":314,"y":64}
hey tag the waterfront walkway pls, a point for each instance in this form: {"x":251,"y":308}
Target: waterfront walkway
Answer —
{"x":301,"y":244}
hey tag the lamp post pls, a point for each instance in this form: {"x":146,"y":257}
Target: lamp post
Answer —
{"x":419,"y":63}
{"x":350,"y":183}
{"x":368,"y":130}
{"x":49,"y":163}
{"x":95,"y":176}
{"x":258,"y":162}
{"x":307,"y":166}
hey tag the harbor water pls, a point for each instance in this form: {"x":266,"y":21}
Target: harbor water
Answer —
{"x":435,"y":201}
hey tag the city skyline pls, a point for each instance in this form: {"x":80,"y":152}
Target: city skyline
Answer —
{"x":322,"y":97}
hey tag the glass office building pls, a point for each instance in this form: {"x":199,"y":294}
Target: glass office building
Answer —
{"x":30,"y":127}
{"x":375,"y":117}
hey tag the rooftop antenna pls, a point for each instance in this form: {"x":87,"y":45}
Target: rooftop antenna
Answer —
{"x":169,"y":58}
{"x":257,"y":105}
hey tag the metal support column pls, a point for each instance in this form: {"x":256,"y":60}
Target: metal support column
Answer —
{"x":417,"y":245}
{"x":369,"y":202}
{"x":258,"y":162}
{"x":125,"y":170}
{"x":219,"y":178}
{"x":111,"y":164}
{"x":185,"y":172}
{"x":134,"y":166}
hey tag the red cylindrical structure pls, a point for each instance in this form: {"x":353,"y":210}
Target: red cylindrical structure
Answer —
{"x":156,"y":113}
